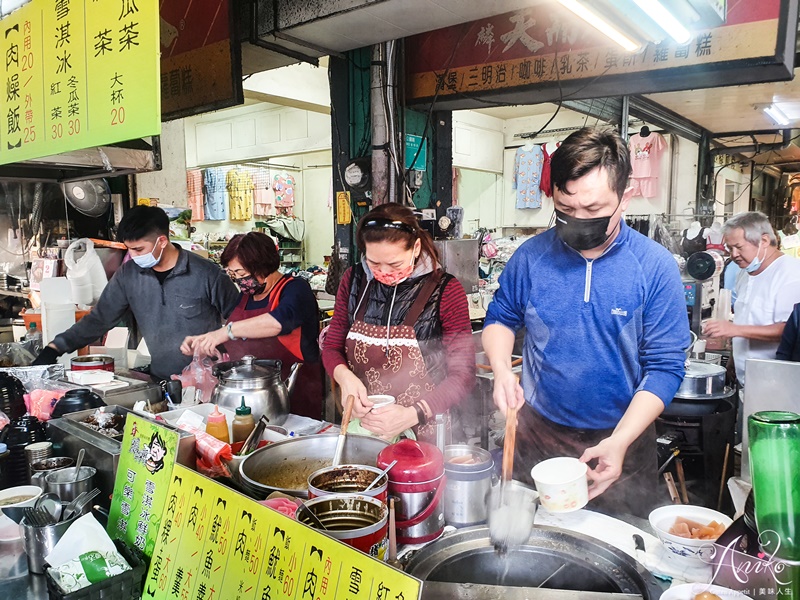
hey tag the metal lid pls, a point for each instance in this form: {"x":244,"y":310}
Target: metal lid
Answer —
{"x":698,"y":368}
{"x":248,"y":369}
{"x":416,"y":461}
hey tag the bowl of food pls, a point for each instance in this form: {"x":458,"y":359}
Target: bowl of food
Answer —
{"x":702,"y":591}
{"x":689,"y":531}
{"x":14,"y":499}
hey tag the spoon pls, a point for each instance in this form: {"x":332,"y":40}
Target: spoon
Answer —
{"x":381,"y":474}
{"x":51,"y":503}
{"x":78,"y":464}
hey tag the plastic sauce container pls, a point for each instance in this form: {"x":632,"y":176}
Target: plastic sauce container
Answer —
{"x":217,"y":426}
{"x":243,"y":423}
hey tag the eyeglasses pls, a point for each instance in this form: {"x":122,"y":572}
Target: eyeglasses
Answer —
{"x":237,"y":274}
{"x":388,"y":224}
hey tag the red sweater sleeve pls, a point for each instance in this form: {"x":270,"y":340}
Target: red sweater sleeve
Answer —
{"x":459,"y":349}
{"x":333,"y":352}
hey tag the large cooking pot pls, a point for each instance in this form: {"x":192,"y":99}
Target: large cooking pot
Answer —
{"x":552,"y":558}
{"x":259,"y":383}
{"x":285,"y":466}
{"x":702,"y":379}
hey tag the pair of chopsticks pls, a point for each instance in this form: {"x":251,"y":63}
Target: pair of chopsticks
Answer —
{"x":683,"y":497}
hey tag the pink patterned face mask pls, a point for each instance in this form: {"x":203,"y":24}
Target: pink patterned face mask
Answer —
{"x":392,"y":279}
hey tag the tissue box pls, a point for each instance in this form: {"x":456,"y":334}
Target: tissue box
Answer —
{"x":739,"y":565}
{"x":125,"y":586}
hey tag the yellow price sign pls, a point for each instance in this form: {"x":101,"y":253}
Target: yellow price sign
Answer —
{"x":246,"y":551}
{"x":79,"y":74}
{"x":343,"y":214}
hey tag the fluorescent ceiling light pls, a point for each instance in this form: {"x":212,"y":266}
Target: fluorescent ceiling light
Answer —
{"x":601,"y":25}
{"x":664,"y":19}
{"x":776,"y":114}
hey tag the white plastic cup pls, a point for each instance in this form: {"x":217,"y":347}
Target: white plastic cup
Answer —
{"x":562,"y":484}
{"x":380,"y":400}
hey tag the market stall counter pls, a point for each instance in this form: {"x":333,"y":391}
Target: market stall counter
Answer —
{"x":241,"y":523}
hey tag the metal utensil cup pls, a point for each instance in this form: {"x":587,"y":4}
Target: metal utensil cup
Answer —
{"x":70,"y":483}
{"x":40,"y":541}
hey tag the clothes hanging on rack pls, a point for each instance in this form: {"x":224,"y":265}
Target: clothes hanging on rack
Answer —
{"x":283,"y":185}
{"x":263,"y":194}
{"x":640,"y":224}
{"x":239,"y":184}
{"x":546,"y":185}
{"x":194,"y":191}
{"x":646,"y":153}
{"x":216,"y":194}
{"x":528,"y":162}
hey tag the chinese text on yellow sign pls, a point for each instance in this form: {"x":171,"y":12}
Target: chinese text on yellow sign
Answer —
{"x":215,"y":544}
{"x":78,"y":74}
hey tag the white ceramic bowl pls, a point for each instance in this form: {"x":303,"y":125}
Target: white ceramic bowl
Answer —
{"x":688,"y":591}
{"x":661,"y":519}
{"x":561,"y":483}
{"x":34,"y":491}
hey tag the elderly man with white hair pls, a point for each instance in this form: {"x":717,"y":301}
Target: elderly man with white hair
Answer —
{"x":767,"y":289}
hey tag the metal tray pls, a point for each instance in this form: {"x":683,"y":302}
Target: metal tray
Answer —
{"x":80,"y":417}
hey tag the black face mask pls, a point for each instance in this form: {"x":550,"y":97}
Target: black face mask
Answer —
{"x":582,"y":234}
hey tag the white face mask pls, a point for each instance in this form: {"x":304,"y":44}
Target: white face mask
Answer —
{"x":756,"y":263}
{"x":148,"y":261}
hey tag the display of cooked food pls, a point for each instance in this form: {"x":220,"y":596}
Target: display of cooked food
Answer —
{"x":686,"y":528}
{"x":15,"y":500}
{"x":109,"y":424}
{"x":706,"y":596}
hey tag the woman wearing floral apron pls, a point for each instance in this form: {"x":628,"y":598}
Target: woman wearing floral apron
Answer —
{"x":400,"y":327}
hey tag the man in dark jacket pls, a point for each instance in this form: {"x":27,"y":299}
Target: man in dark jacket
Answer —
{"x":789,"y":348}
{"x":171,"y":292}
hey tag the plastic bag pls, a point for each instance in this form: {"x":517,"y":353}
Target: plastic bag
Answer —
{"x":4,"y":420}
{"x":17,"y":354}
{"x":41,"y":400}
{"x":212,"y":454}
{"x":198,"y":375}
{"x":86,"y":275}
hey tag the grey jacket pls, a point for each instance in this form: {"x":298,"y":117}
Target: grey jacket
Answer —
{"x":194,"y":299}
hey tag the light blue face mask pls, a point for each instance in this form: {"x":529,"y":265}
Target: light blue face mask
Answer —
{"x":148,"y":261}
{"x":756,"y":263}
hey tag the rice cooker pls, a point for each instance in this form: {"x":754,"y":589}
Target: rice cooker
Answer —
{"x":418,"y":481}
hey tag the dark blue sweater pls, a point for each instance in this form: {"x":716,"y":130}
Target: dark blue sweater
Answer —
{"x":598,"y":330}
{"x":789,"y":348}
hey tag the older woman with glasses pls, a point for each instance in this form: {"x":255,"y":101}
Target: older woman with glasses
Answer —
{"x":400,"y":327}
{"x":277,"y":317}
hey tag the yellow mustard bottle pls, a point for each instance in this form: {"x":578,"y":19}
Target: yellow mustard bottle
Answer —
{"x":243,"y":423}
{"x":217,"y":426}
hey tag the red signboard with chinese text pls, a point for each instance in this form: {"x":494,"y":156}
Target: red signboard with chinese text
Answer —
{"x":547,"y":46}
{"x":200,"y":64}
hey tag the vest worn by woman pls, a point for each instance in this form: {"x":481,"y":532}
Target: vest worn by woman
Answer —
{"x":428,"y":328}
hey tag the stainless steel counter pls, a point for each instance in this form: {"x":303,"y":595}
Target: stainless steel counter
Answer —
{"x":15,"y":581}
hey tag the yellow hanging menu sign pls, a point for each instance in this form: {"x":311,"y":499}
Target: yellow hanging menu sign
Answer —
{"x":215,"y":543}
{"x":78,"y":74}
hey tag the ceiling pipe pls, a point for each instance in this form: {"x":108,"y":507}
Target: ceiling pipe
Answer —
{"x":787,"y":138}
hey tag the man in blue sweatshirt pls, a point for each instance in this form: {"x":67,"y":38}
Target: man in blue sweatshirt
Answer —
{"x":606,"y":328}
